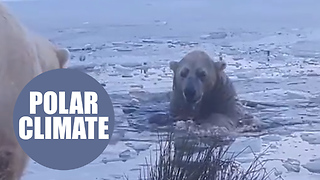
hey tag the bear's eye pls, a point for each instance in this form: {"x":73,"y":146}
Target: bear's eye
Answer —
{"x":184,"y":72}
{"x":201,"y":74}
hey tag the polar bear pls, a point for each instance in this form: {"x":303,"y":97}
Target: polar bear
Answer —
{"x":23,"y":56}
{"x":58,"y":56}
{"x":203,"y":92}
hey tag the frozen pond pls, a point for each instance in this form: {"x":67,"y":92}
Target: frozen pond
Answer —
{"x":272,"y":49}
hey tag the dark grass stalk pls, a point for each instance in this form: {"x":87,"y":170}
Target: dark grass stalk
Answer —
{"x":190,"y":159}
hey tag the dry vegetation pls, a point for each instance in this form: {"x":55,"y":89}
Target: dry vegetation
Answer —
{"x":190,"y":159}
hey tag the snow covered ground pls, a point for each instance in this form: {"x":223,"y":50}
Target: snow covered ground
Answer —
{"x":129,"y":33}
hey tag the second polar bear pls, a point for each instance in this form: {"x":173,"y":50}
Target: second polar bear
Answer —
{"x":203,"y":92}
{"x":23,"y":56}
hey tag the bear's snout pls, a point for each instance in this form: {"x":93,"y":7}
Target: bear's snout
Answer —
{"x":190,"y":93}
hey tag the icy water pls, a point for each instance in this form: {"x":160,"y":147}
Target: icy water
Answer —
{"x":272,"y":49}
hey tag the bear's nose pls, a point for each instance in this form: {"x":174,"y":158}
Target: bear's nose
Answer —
{"x":189,"y":93}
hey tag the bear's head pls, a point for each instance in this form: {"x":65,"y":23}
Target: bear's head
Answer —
{"x":195,"y":74}
{"x":50,"y":56}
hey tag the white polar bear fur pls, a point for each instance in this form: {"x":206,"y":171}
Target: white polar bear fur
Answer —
{"x":23,"y":56}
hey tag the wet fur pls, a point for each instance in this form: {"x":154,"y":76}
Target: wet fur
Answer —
{"x":219,"y":102}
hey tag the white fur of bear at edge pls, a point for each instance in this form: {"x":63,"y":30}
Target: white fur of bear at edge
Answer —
{"x":23,"y":56}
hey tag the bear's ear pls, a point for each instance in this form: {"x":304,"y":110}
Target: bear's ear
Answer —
{"x":173,"y":65}
{"x":63,"y":55}
{"x":220,"y":65}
